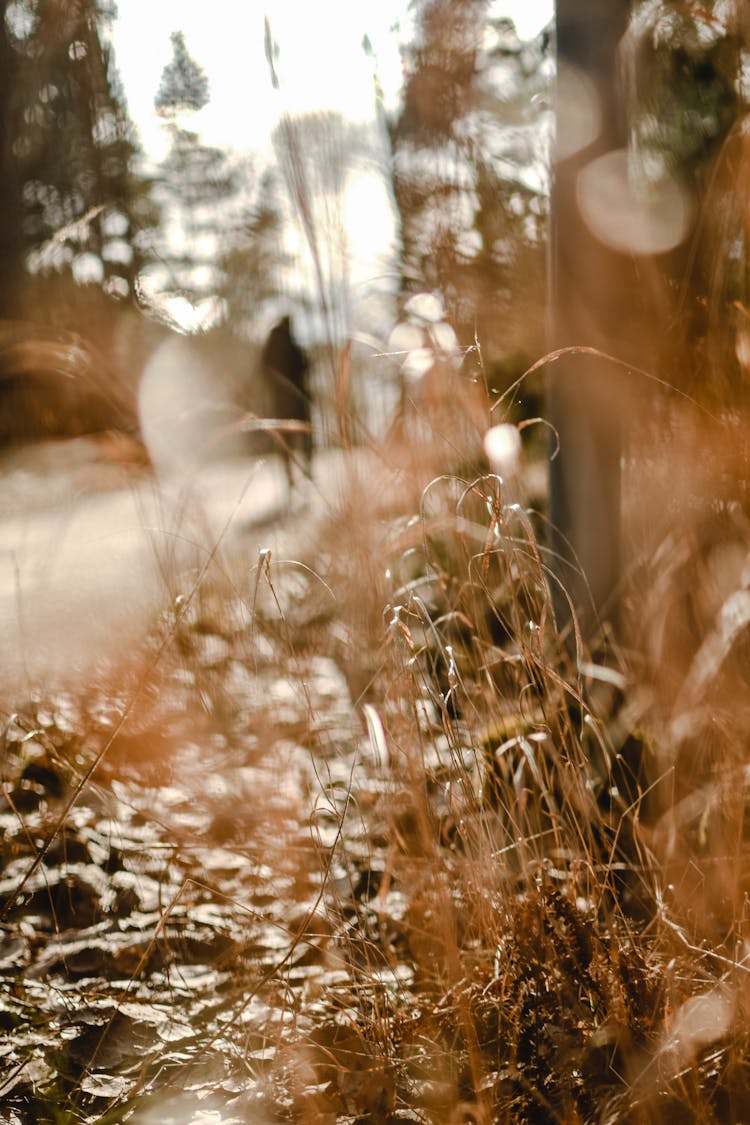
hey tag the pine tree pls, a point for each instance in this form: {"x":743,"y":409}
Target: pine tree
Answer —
{"x":184,"y":85}
{"x":196,"y":186}
{"x":82,"y":208}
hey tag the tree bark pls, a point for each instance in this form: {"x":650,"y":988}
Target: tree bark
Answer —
{"x":11,"y":245}
{"x":589,"y":308}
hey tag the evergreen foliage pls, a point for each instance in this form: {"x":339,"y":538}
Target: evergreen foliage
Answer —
{"x":184,"y":85}
{"x":253,"y":258}
{"x":73,"y":203}
{"x":194,"y":186}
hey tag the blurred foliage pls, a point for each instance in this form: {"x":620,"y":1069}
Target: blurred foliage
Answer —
{"x":685,"y":69}
{"x":219,"y":247}
{"x":683,"y":90}
{"x":468,"y":176}
{"x":194,"y":185}
{"x":72,"y":200}
{"x":253,"y":258}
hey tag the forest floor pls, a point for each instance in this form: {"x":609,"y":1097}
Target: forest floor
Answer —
{"x":326,"y":844}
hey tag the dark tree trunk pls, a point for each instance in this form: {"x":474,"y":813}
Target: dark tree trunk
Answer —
{"x":11,"y":246}
{"x":589,"y":306}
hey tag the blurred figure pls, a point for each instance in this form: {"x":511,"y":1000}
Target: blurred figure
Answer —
{"x":285,"y":367}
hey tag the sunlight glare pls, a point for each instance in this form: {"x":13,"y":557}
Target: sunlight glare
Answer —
{"x":502,"y":444}
{"x":629,"y":215}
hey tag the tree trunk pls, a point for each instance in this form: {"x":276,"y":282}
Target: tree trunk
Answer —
{"x":589,"y":308}
{"x":11,"y":247}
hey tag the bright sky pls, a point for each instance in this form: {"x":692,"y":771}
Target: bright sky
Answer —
{"x":321,"y":62}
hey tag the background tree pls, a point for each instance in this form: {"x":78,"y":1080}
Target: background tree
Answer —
{"x":468,"y":179}
{"x":642,"y":277}
{"x":591,"y":307}
{"x":74,"y":213}
{"x":253,"y":262}
{"x":197,"y":187}
{"x":83,"y":208}
{"x":686,"y":102}
{"x":184,"y":85}
{"x":11,"y":245}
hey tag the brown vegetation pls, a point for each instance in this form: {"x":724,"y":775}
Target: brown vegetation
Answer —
{"x":350,"y":840}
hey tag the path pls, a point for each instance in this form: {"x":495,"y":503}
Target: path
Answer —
{"x":82,"y":573}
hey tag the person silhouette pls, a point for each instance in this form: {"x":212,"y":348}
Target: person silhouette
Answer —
{"x":286,"y":367}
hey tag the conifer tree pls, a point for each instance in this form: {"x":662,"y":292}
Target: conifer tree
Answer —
{"x":195,"y":187}
{"x":184,"y":85}
{"x":68,"y":150}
